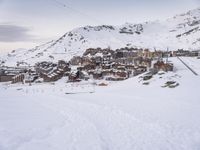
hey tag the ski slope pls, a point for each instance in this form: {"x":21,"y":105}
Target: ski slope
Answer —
{"x":124,"y":115}
{"x":193,"y":63}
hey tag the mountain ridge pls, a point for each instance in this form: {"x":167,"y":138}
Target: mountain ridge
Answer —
{"x":179,"y":32}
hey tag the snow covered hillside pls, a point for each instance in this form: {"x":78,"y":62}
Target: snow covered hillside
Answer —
{"x":181,"y":31}
{"x":126,"y":115}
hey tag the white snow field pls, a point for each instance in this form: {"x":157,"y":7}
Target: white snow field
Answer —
{"x":124,"y":115}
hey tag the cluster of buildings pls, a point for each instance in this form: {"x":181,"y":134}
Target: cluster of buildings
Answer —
{"x":18,"y":74}
{"x":111,"y":65}
{"x":186,"y":53}
{"x":50,"y":72}
{"x":9,"y":73}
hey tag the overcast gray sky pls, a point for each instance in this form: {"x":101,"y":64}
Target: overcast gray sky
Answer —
{"x":27,"y":23}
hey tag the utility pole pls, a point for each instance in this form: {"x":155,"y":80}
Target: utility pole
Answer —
{"x":167,"y":55}
{"x":158,"y":56}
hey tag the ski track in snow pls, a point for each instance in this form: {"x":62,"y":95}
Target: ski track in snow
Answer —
{"x":104,"y":128}
{"x":120,"y":130}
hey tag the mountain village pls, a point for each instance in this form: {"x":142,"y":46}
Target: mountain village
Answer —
{"x":97,"y":64}
{"x":102,"y":85}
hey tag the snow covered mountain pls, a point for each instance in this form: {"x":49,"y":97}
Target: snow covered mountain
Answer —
{"x":181,"y":31}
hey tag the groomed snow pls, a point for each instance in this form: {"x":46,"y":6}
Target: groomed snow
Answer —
{"x":124,"y":115}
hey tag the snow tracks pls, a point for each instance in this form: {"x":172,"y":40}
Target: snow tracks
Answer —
{"x":98,"y":127}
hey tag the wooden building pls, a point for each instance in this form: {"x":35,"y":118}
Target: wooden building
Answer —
{"x":161,"y":66}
